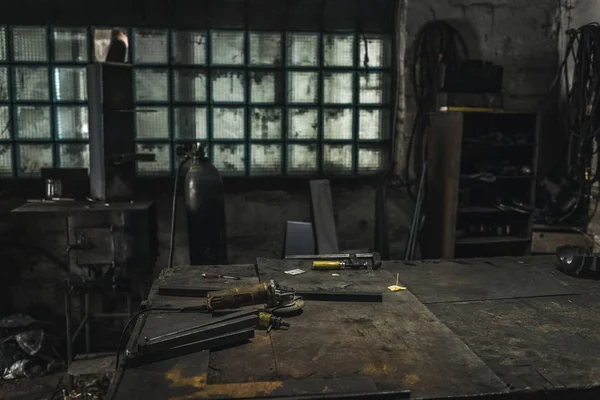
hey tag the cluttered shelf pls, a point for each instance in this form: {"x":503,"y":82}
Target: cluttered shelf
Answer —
{"x":490,"y":240}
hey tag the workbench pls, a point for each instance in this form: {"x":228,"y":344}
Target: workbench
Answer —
{"x":501,"y":327}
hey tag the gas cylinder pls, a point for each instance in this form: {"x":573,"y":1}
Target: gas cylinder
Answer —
{"x":205,"y":206}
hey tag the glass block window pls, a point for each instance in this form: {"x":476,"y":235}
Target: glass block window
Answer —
{"x":265,"y":103}
{"x":43,"y":99}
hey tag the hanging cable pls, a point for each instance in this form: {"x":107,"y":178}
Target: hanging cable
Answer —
{"x":437,"y":43}
{"x":174,"y":210}
{"x":579,"y":73}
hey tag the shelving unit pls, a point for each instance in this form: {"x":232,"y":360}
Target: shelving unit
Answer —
{"x":480,"y":184}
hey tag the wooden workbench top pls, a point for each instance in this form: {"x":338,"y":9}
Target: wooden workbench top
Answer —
{"x":448,"y":335}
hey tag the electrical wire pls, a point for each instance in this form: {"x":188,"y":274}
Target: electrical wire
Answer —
{"x":174,"y":212}
{"x":134,"y":318}
{"x":437,"y":43}
{"x":579,"y":72}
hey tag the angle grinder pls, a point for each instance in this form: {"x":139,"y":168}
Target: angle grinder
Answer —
{"x":278,"y":300}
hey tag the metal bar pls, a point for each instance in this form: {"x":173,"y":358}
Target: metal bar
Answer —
{"x":388,"y":394}
{"x":215,"y":342}
{"x":199,"y":334}
{"x":109,"y":315}
{"x":328,"y":256}
{"x":357,"y":297}
{"x":224,"y":318}
{"x":368,"y":297}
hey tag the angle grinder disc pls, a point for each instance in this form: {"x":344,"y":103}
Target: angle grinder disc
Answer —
{"x":292,"y":308}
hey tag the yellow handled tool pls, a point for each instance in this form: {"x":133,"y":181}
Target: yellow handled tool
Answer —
{"x":329,"y":265}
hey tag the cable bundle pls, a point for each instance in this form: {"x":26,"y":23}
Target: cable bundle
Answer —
{"x":581,"y":113}
{"x":437,"y":42}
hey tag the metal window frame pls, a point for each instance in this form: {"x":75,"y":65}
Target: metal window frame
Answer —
{"x":281,"y":70}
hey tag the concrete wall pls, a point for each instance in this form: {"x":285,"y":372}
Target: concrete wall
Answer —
{"x":519,"y":35}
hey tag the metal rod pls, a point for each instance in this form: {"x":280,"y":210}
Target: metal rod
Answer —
{"x":79,"y":328}
{"x":88,"y":323}
{"x":416,"y":218}
{"x":68,"y":330}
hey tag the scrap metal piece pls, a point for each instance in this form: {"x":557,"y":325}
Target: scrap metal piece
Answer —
{"x":133,"y":360}
{"x":214,"y":328}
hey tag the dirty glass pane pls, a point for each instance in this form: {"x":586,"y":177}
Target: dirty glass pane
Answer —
{"x":374,"y":88}
{"x":3,"y":54}
{"x":188,"y":47}
{"x":337,"y":124}
{"x":74,"y":155}
{"x":150,"y":46}
{"x":338,"y":50}
{"x":303,"y":123}
{"x":228,"y":86}
{"x":302,"y":49}
{"x":4,"y":83}
{"x":31,"y":83}
{"x":265,"y":48}
{"x":265,"y":159}
{"x":4,"y":122}
{"x":70,"y":84}
{"x":33,"y":122}
{"x":266,"y":123}
{"x":152,"y":123}
{"x":337,"y":87}
{"x":72,"y":122}
{"x":189,"y":85}
{"x":228,"y":123}
{"x":34,"y":157}
{"x":378,"y":48}
{"x":337,"y":158}
{"x":302,"y":159}
{"x":373,"y":124}
{"x":190,"y":123}
{"x":229,"y":159}
{"x":371,"y":159}
{"x":151,"y":85}
{"x":6,"y":166}
{"x":30,"y":43}
{"x":227,"y":47}
{"x":303,"y":87}
{"x":162,"y":163}
{"x":266,"y":87}
{"x":101,"y":43}
{"x":71,"y":44}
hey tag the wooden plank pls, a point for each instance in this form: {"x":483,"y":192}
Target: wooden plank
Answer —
{"x":323,"y":217}
{"x":479,"y":279}
{"x":398,"y":343}
{"x":444,"y":155}
{"x":538,"y":343}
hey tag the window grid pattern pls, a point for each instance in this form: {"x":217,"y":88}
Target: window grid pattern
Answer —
{"x":266,"y":103}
